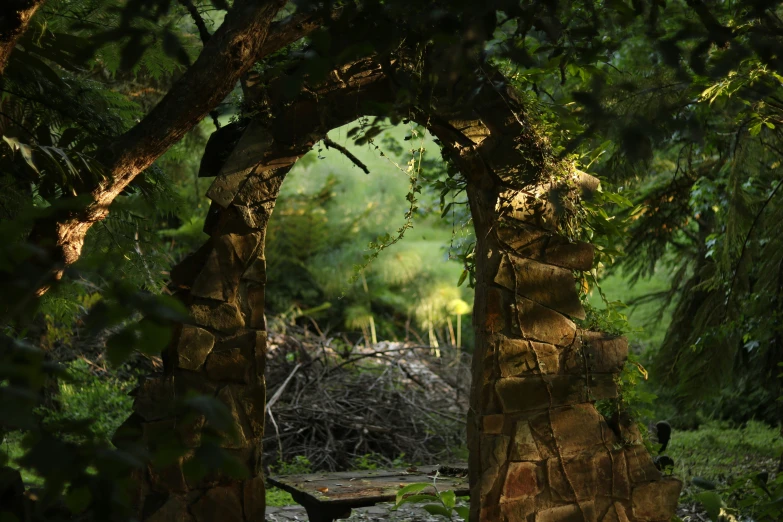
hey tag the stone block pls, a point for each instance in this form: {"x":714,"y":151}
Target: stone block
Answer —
{"x":515,"y":357}
{"x":494,"y":449}
{"x":521,"y":481}
{"x":581,"y":512}
{"x":187,"y":382}
{"x":260,"y":352}
{"x":530,"y":207}
{"x":238,"y":436}
{"x":556,"y":250}
{"x":612,"y":471}
{"x":175,"y":509}
{"x":251,"y":148}
{"x":216,"y":315}
{"x":233,"y":358}
{"x":518,"y":235}
{"x":185,"y":272}
{"x":219,"y":278}
{"x":253,"y":401}
{"x":547,"y":357}
{"x":170,"y":477}
{"x":543,"y":324}
{"x":600,"y":353}
{"x":254,"y":498}
{"x":154,"y":398}
{"x":551,"y":286}
{"x":254,"y":306}
{"x":578,"y":428}
{"x":541,"y":430}
{"x":615,"y":513}
{"x":256,"y":271}
{"x":518,"y":394}
{"x":579,"y":481}
{"x":495,"y":319}
{"x":493,"y":424}
{"x":193,"y":347}
{"x":519,"y":357}
{"x":602,"y":386}
{"x":517,"y":510}
{"x":656,"y":501}
{"x":640,"y":465}
{"x":219,"y":503}
{"x":523,"y":445}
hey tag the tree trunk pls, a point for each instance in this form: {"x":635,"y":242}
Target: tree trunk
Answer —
{"x":15,"y":16}
{"x":242,"y":39}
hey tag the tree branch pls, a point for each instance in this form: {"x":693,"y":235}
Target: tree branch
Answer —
{"x":246,"y":35}
{"x":14,"y":18}
{"x":347,"y":153}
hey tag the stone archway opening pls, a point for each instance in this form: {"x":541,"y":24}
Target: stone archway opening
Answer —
{"x":539,"y":450}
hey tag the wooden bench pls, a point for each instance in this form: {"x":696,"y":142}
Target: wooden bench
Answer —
{"x":329,"y":496}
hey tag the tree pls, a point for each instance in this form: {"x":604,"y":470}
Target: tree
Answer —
{"x":439,"y":64}
{"x":14,"y":19}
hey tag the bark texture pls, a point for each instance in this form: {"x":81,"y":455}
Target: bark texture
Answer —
{"x":15,"y":16}
{"x":246,"y":36}
{"x":539,"y":449}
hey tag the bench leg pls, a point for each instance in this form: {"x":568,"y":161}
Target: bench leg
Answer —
{"x":321,"y":513}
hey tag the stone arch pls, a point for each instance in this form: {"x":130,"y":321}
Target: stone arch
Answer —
{"x":539,"y":450}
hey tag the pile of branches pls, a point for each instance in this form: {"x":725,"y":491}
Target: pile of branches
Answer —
{"x":338,"y":405}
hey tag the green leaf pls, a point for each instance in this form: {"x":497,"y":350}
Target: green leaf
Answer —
{"x":462,"y":277}
{"x":410,"y":489}
{"x":712,"y":503}
{"x":78,"y":499}
{"x":435,"y":509}
{"x":464,"y":512}
{"x":448,"y":498}
{"x":418,"y":499}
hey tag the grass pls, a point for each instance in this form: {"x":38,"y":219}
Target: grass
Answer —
{"x":722,"y":454}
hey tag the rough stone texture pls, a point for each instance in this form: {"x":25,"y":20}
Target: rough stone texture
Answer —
{"x":640,"y":465}
{"x":540,"y":323}
{"x":174,"y":510}
{"x":656,"y":501}
{"x":154,"y":398}
{"x":254,"y":498}
{"x":493,"y":424}
{"x":519,"y":357}
{"x":547,"y":285}
{"x":493,"y":456}
{"x":598,"y":353}
{"x":577,"y":428}
{"x":220,"y":503}
{"x":193,"y":347}
{"x":223,"y":317}
{"x":583,"y":512}
{"x":533,"y":366}
{"x":521,"y":481}
{"x":538,"y":448}
{"x":524,"y":444}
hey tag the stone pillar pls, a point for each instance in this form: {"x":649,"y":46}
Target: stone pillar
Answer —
{"x":539,"y":449}
{"x":220,"y":352}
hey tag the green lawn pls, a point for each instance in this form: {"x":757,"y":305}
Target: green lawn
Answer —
{"x":722,"y":454}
